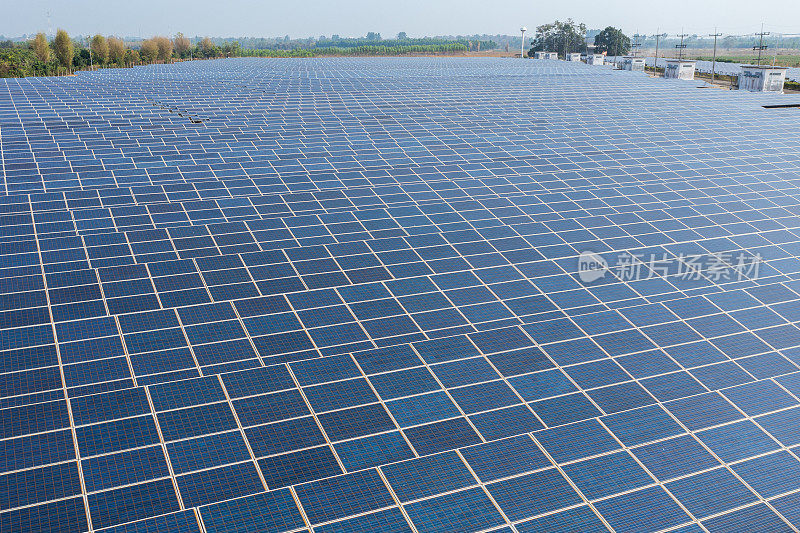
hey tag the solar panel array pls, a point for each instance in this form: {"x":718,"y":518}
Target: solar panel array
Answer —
{"x":346,"y":295}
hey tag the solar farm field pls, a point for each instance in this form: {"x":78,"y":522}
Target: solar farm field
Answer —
{"x":417,"y":294}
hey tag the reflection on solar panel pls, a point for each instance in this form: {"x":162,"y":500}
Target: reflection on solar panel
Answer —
{"x":397,"y":295}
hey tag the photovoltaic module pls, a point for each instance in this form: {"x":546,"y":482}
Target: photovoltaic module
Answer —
{"x":401,"y":294}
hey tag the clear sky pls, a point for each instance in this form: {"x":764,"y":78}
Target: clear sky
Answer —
{"x":304,"y":18}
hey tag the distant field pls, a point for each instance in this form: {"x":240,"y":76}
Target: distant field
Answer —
{"x":786,"y":57}
{"x":782,"y":60}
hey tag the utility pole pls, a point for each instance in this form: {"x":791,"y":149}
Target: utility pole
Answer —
{"x":658,"y":38}
{"x":681,"y":47}
{"x":636,"y":44}
{"x":777,"y":43}
{"x":714,"y":58}
{"x":761,"y":46}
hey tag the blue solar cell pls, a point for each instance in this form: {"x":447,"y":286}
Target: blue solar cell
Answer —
{"x":273,"y":407}
{"x":116,"y":435}
{"x":649,"y":509}
{"x":131,"y":503}
{"x":300,"y":466}
{"x":338,"y":497}
{"x":280,"y":437}
{"x":389,"y":520}
{"x":207,"y":452}
{"x":219,"y":484}
{"x":642,"y":425}
{"x":427,"y":476}
{"x":504,"y":458}
{"x":27,"y":487}
{"x":506,"y":422}
{"x":737,"y":441}
{"x":372,"y":451}
{"x":533,"y":494}
{"x":182,"y":522}
{"x":576,"y":441}
{"x":710,"y":492}
{"x":415,"y":410}
{"x":565,"y":409}
{"x":194,"y":421}
{"x":757,"y":517}
{"x":36,"y":450}
{"x":484,"y":396}
{"x":704,"y":410}
{"x":257,"y":381}
{"x":607,"y":475}
{"x":339,"y":395}
{"x":356,"y":422}
{"x":769,"y":475}
{"x":576,"y":519}
{"x":468,"y":510}
{"x":67,"y":515}
{"x":124,"y":468}
{"x":675,"y":457}
{"x":441,"y":436}
{"x":782,"y":426}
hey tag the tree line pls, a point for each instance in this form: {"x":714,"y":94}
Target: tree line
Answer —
{"x":363,"y":50}
{"x":64,"y":55}
{"x":474,"y":43}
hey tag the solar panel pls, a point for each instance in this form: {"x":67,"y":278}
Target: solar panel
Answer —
{"x":419,"y":294}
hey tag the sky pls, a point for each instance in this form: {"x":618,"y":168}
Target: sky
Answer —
{"x":305,"y":18}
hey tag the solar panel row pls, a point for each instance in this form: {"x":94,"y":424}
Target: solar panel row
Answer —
{"x":352,"y":295}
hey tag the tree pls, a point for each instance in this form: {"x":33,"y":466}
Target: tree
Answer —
{"x":402,"y":36}
{"x":230,"y":49}
{"x":132,"y":56}
{"x":207,"y":48}
{"x":63,"y":48}
{"x":612,"y":41}
{"x":41,"y":48}
{"x":728,"y":41}
{"x":563,"y":37}
{"x":99,"y":47}
{"x":164,"y":46}
{"x":116,"y":50}
{"x":148,"y":50}
{"x":182,"y":44}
